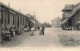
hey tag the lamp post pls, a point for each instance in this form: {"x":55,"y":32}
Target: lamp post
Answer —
{"x":34,"y":20}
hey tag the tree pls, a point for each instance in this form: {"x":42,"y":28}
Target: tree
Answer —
{"x":46,"y":24}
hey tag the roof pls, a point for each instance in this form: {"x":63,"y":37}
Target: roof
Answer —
{"x":64,"y":21}
{"x":76,"y":8}
{"x":32,"y":21}
{"x":12,"y":9}
{"x":74,"y":11}
{"x":68,"y":7}
{"x":77,"y":4}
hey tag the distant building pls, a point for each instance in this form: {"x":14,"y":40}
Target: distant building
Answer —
{"x":56,"y":23}
{"x":71,"y":17}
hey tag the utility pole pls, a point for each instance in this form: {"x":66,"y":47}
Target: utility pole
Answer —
{"x":34,"y":17}
{"x":34,"y":20}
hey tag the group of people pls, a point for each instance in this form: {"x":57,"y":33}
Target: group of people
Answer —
{"x":9,"y":32}
{"x":40,"y":29}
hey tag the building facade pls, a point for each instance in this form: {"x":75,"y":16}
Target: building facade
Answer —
{"x":72,"y":20}
{"x":56,"y":23}
{"x":12,"y":18}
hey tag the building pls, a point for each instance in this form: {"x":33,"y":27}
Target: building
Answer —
{"x":71,"y":17}
{"x":10,"y":17}
{"x":56,"y":23}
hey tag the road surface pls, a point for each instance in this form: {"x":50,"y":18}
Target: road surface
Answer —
{"x":49,"y":39}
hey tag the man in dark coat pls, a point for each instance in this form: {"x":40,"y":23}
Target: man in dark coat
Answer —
{"x":43,"y":28}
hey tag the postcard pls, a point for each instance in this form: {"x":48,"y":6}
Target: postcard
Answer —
{"x":39,"y":25}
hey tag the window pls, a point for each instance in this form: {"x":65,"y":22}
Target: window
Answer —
{"x":18,"y":22}
{"x":13,"y":19}
{"x":2,"y":17}
{"x":8,"y":18}
{"x":23,"y":21}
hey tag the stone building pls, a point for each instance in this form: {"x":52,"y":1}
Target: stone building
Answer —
{"x":56,"y":23}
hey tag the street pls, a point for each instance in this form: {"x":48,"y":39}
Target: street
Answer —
{"x":54,"y":37}
{"x":49,"y":39}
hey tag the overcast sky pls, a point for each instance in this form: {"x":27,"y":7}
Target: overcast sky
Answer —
{"x":45,"y":10}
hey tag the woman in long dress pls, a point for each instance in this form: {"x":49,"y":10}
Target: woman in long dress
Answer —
{"x":40,"y":33}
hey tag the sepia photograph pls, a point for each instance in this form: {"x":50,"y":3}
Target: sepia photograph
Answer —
{"x":39,"y":25}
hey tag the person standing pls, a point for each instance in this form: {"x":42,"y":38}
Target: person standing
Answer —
{"x":40,"y":32}
{"x":11,"y":32}
{"x":16,"y":31}
{"x":7,"y":34}
{"x":43,"y":28}
{"x":38,"y":27}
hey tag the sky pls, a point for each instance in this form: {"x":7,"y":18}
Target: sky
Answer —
{"x":45,"y":10}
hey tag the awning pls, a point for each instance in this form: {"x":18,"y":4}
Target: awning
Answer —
{"x":73,"y":12}
{"x":63,"y":22}
{"x":32,"y":21}
{"x":78,"y":23}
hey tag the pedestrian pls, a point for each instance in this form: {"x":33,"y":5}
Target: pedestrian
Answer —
{"x":11,"y":32}
{"x":38,"y":27}
{"x":40,"y":33}
{"x":43,"y":28}
{"x":16,"y":31}
{"x":7,"y":34}
{"x":32,"y":31}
